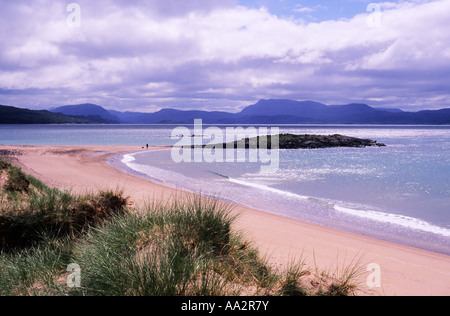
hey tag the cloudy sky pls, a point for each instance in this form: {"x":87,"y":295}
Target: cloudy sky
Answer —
{"x":145,"y":55}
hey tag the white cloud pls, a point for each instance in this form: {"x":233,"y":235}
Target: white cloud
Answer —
{"x":223,"y":53}
{"x":301,"y":9}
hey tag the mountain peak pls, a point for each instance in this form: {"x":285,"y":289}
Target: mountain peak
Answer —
{"x":272,"y":107}
{"x":87,"y":110}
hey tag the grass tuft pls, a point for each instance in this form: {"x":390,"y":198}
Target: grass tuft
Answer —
{"x":35,"y":210}
{"x":17,"y":181}
{"x":185,"y":247}
{"x":175,"y":249}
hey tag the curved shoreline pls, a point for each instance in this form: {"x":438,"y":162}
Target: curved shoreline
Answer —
{"x":390,"y":227}
{"x":405,"y":270}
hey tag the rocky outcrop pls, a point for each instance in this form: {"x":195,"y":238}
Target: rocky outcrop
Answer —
{"x":290,"y":141}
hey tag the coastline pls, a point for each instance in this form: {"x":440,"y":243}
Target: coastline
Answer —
{"x":361,"y":219}
{"x":404,"y":270}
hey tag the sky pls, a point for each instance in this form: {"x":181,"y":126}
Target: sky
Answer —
{"x":145,"y":55}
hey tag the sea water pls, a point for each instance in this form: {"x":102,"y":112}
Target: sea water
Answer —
{"x":399,"y":193}
{"x":86,"y":135}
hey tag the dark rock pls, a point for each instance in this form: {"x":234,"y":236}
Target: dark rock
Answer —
{"x":290,"y":141}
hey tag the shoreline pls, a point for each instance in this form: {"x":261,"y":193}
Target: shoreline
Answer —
{"x":404,"y":270}
{"x":426,"y":242}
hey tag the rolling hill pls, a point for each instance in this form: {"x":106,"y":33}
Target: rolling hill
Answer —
{"x":13,"y":115}
{"x":291,"y":112}
{"x":273,"y":111}
{"x":91,"y":111}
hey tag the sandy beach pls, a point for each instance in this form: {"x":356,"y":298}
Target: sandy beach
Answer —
{"x":404,"y":270}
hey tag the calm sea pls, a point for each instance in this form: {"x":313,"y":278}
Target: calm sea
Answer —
{"x":399,"y":193}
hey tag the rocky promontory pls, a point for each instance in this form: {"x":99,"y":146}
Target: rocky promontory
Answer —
{"x":291,"y":141}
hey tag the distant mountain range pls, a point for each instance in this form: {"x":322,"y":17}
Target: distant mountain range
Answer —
{"x":263,"y":112}
{"x":269,"y":112}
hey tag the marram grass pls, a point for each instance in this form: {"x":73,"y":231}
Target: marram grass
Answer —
{"x":185,"y":247}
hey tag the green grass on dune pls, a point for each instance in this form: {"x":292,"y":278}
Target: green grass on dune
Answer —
{"x":174,"y":249}
{"x":186,"y":247}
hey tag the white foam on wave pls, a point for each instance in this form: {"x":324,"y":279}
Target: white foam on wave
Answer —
{"x":168,"y":177}
{"x":127,"y":159}
{"x":158,"y":174}
{"x":267,"y":188}
{"x":400,"y":220}
{"x":388,"y":218}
